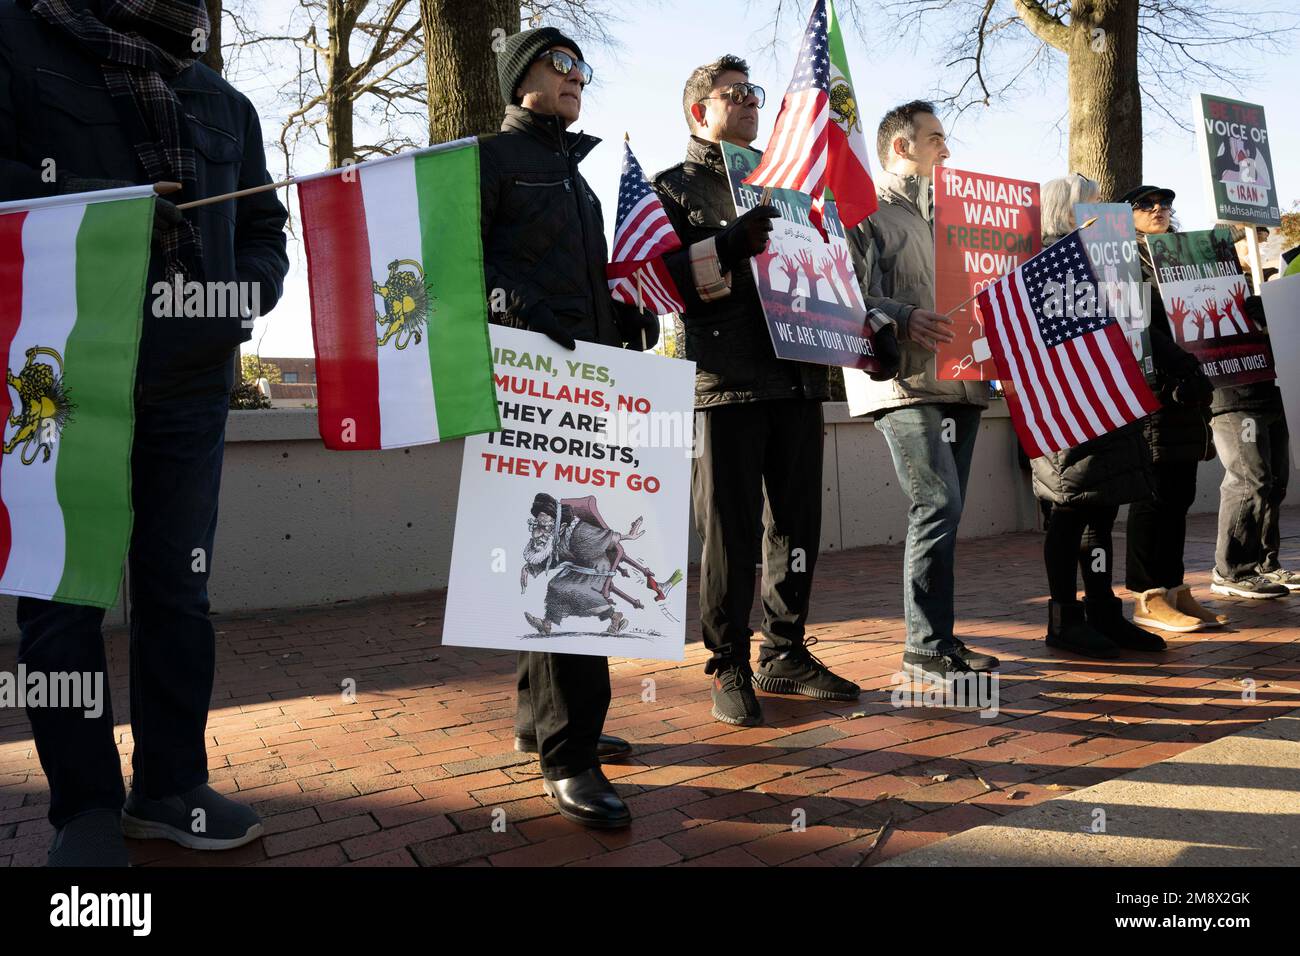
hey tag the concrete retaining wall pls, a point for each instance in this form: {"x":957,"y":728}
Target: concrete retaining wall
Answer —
{"x":302,"y":525}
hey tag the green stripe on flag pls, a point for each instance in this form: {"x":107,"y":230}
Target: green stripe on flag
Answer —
{"x":460,"y":354}
{"x":94,"y":465}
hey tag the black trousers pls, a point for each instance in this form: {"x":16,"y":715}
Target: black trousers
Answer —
{"x":758,"y":470}
{"x":563,"y":699}
{"x":1080,"y":536}
{"x":1157,"y":528}
{"x":175,"y":478}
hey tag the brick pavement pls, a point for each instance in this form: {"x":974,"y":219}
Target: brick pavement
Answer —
{"x":414,"y":771}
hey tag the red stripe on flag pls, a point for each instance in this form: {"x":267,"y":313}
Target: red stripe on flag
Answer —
{"x":11,"y":313}
{"x":342,"y":311}
{"x":1039,"y":382}
{"x":1099,"y":347}
{"x":1075,"y":418}
{"x":1006,"y":350}
{"x":1137,"y":382}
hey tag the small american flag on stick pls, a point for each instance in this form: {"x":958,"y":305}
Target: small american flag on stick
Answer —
{"x":642,"y":234}
{"x":1070,"y":370}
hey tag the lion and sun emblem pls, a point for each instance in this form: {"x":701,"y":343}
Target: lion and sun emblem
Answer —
{"x":407,"y":304}
{"x":42,"y":409}
{"x":845,"y":107}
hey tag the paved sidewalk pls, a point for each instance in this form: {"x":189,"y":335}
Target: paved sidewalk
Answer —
{"x":412,"y":771}
{"x":1233,"y":802}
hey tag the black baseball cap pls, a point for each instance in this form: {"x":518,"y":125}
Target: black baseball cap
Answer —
{"x":1141,"y":192}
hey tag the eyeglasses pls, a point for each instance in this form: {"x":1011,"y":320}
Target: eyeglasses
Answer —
{"x":739,"y":92}
{"x":1146,"y":205}
{"x":563,"y":63}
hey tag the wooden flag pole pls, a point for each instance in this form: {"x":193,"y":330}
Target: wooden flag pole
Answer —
{"x":1252,"y":249}
{"x":238,"y":194}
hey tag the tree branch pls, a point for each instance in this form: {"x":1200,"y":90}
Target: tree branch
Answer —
{"x":1043,"y":25}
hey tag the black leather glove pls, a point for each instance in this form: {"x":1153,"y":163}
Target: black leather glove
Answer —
{"x":540,"y":318}
{"x":632,"y":324}
{"x":746,"y":236}
{"x":1255,"y":311}
{"x":165,"y":214}
{"x":1194,"y":391}
{"x":885,"y":341}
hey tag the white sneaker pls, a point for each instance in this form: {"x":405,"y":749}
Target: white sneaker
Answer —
{"x":1255,"y":587}
{"x":1288,"y":579}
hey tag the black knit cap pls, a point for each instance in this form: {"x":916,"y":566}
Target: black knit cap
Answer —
{"x":519,"y":51}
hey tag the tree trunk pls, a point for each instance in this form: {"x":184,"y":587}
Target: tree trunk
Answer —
{"x":461,"y":64}
{"x":338,"y":65}
{"x":212,"y":57}
{"x":1105,"y":97}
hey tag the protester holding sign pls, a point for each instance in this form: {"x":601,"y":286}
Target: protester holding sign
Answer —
{"x":1179,"y":436}
{"x":758,"y":421}
{"x":110,"y":102}
{"x":544,"y":256}
{"x":1085,"y":485}
{"x":1251,"y":436}
{"x":930,"y":425}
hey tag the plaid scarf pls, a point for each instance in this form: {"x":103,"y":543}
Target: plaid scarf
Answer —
{"x":143,"y":43}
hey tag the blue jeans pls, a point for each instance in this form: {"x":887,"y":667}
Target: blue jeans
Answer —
{"x":175,"y":476}
{"x":932,"y":446}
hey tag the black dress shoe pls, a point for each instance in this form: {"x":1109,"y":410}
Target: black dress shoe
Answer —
{"x":607,"y":747}
{"x":589,"y":799}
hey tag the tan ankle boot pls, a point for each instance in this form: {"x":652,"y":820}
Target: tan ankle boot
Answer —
{"x":1153,"y":609}
{"x":1185,"y":602}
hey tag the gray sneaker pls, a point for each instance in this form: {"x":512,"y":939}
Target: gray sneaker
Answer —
{"x":1256,"y":586}
{"x":1288,"y":579}
{"x":201,"y":820}
{"x":93,"y":838}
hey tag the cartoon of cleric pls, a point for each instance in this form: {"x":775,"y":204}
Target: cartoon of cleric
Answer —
{"x":585,"y":554}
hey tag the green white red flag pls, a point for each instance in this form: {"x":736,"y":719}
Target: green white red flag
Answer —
{"x":399,"y":311}
{"x":73,"y":271}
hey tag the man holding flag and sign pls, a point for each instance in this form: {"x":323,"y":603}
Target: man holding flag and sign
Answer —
{"x":130,"y":104}
{"x":758,"y":419}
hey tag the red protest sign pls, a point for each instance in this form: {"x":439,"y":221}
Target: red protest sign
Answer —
{"x":984,"y":227}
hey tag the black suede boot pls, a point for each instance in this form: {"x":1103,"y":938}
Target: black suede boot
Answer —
{"x":1068,"y":630}
{"x":1107,"y":616}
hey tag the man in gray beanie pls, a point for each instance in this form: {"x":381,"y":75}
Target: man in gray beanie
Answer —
{"x":544,"y":256}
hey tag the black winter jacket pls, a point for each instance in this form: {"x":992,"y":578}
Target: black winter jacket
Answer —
{"x":54,"y":105}
{"x":727,"y":338}
{"x":1114,"y":469}
{"x":1176,"y":433}
{"x":543,"y":235}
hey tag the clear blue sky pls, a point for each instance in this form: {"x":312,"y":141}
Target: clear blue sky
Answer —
{"x":638,"y":90}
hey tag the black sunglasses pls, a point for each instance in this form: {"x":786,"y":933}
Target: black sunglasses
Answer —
{"x":563,"y":63}
{"x":1146,"y":205}
{"x":739,"y":92}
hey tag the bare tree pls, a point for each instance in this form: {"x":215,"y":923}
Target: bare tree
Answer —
{"x":212,"y":57}
{"x":354,"y":57}
{"x":1120,"y":55}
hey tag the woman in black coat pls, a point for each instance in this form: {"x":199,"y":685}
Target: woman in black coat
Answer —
{"x":1084,"y":487}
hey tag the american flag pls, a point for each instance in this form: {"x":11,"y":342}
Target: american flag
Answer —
{"x":797,"y":154}
{"x":1069,"y":368}
{"x":642,"y":234}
